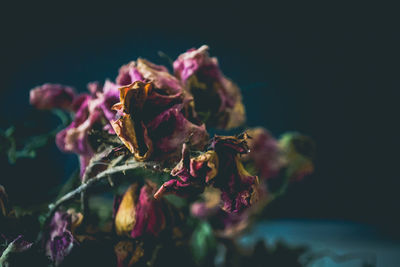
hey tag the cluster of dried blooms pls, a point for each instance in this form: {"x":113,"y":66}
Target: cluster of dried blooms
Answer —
{"x":151,"y":115}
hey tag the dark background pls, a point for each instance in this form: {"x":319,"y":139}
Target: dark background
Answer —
{"x":329,"y":71}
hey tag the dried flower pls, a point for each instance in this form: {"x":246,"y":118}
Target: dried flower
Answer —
{"x":192,"y":174}
{"x":50,"y":96}
{"x":152,"y":123}
{"x":264,"y":155}
{"x":298,"y":153}
{"x":220,"y":168}
{"x":91,"y":110}
{"x":216,"y":99}
{"x":139,"y":213}
{"x":238,"y":187}
{"x":60,"y":240}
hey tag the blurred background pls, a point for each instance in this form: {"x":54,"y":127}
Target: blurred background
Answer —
{"x":328,"y":71}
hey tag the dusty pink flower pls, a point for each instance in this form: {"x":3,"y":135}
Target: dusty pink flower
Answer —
{"x":90,"y":110}
{"x":217,"y":100}
{"x":139,"y":213}
{"x":60,"y":240}
{"x":49,"y":96}
{"x":264,"y":155}
{"x":152,"y":122}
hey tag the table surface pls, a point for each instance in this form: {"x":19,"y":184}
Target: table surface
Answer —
{"x":335,"y":237}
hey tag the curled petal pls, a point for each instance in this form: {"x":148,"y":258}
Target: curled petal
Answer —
{"x":145,"y":71}
{"x":159,"y":76}
{"x":135,"y":93}
{"x":192,"y":174}
{"x":49,"y":96}
{"x":125,"y":218}
{"x":126,"y":131}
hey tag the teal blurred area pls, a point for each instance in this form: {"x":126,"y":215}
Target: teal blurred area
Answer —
{"x":341,"y":244}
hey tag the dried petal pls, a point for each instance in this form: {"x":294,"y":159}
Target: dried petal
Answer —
{"x":145,"y":71}
{"x":125,"y":218}
{"x":192,"y":174}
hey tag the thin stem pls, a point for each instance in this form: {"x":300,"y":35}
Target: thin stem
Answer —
{"x":93,"y":181}
{"x":99,"y":177}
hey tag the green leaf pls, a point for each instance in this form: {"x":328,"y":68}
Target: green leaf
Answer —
{"x":203,"y":242}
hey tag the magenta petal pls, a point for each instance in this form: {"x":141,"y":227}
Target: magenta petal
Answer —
{"x":170,"y":130}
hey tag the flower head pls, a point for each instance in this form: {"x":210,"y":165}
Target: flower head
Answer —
{"x":49,"y":96}
{"x":298,"y":152}
{"x":192,"y":174}
{"x":60,"y":239}
{"x":217,"y":99}
{"x":139,"y":213}
{"x":264,"y":155}
{"x":152,"y":123}
{"x":238,"y":187}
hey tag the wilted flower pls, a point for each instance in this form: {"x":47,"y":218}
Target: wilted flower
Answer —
{"x":139,"y":213}
{"x":264,"y":156}
{"x":49,"y":96}
{"x":298,"y":152}
{"x":217,"y":100}
{"x":152,"y":123}
{"x":221,"y":168}
{"x":90,"y":110}
{"x":238,"y":187}
{"x":192,"y":174}
{"x":60,"y":239}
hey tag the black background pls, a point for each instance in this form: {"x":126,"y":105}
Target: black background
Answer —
{"x":330,"y":71}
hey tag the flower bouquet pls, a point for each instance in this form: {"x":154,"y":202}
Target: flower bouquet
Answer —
{"x":155,"y":187}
